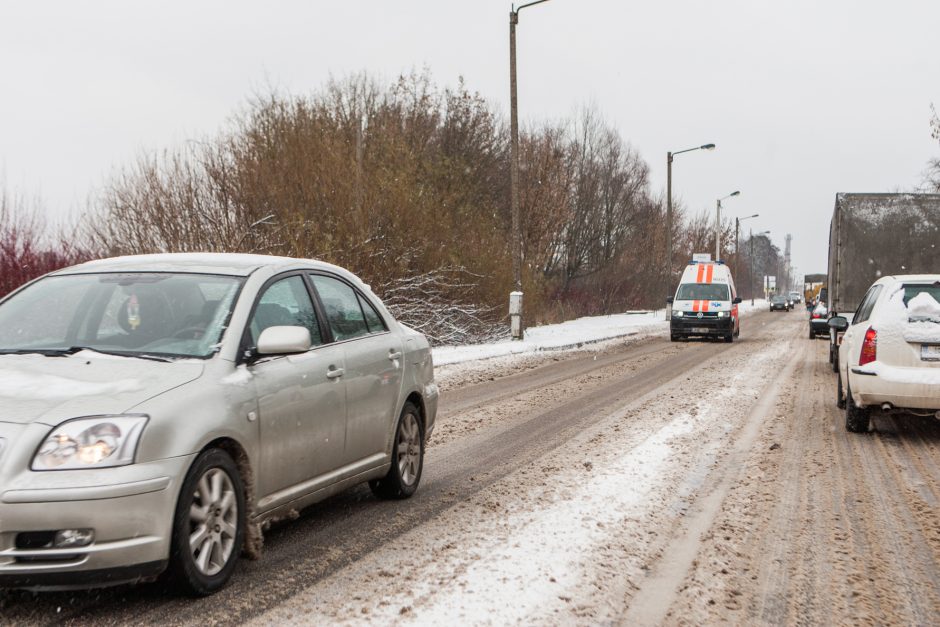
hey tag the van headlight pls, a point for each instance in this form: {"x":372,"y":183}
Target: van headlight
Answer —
{"x":677,"y":314}
{"x":97,"y":442}
{"x":722,"y":314}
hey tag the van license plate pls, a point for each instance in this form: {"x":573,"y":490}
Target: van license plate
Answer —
{"x":930,"y":352}
{"x":701,"y":330}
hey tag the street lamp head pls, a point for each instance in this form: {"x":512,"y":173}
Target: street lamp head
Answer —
{"x":708,"y":147}
{"x":735,"y":193}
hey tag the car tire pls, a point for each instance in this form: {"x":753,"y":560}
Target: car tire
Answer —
{"x":729,"y":338}
{"x":210,"y":514}
{"x":840,"y":396}
{"x":811,"y":334}
{"x":835,"y":359}
{"x":857,"y":419}
{"x":673,"y":337}
{"x":403,"y":476}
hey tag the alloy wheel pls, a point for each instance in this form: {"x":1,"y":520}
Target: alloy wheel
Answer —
{"x":213,"y":520}
{"x":409,"y":449}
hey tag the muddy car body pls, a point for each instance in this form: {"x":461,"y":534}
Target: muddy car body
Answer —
{"x":261,"y":385}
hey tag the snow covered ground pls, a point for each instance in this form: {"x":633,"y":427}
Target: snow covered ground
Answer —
{"x":571,"y":335}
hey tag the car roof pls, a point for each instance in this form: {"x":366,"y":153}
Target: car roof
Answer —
{"x":200,"y":263}
{"x":909,"y":278}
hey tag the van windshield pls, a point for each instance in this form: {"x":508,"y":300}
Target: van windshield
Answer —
{"x":702,"y":291}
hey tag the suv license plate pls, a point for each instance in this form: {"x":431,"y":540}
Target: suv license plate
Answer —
{"x":930,"y":352}
{"x":707,"y":330}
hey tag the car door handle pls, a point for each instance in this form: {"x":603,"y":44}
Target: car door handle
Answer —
{"x":335,"y":373}
{"x":393,"y":354}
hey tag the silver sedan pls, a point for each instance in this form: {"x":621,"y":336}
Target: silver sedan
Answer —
{"x":156,"y":412}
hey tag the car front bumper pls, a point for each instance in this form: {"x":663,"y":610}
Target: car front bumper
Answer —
{"x":129,"y":508}
{"x":688,"y":325}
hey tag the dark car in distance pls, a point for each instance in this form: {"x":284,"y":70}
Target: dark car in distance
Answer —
{"x":819,"y":321}
{"x":779,"y":302}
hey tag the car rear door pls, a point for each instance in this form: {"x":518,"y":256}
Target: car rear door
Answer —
{"x":374,"y":365}
{"x":852,"y":339}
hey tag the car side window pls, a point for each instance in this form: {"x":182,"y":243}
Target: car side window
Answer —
{"x":373,"y":319}
{"x":285,"y":303}
{"x":868,"y":302}
{"x":342,"y":307}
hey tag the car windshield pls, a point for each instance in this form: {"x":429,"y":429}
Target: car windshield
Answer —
{"x":702,"y":291}
{"x":779,"y":299}
{"x":133,"y":314}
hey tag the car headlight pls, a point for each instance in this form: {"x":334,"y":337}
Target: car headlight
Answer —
{"x":677,"y":314}
{"x":722,"y":314}
{"x":97,"y":442}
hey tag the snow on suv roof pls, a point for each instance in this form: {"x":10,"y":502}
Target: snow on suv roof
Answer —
{"x":208,"y":263}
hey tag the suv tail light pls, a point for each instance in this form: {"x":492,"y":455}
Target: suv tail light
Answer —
{"x":869,"y":347}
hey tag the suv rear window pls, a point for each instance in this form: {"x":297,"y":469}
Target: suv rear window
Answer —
{"x":702,"y":291}
{"x":913,"y":289}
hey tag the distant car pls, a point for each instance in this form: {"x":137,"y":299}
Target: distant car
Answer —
{"x":157,"y":411}
{"x":795,"y":298}
{"x":889,"y":358}
{"x":819,"y":321}
{"x":779,"y":302}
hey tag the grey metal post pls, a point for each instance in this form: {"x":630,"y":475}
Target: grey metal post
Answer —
{"x":668,"y":221}
{"x":516,"y":235}
{"x":718,"y":232}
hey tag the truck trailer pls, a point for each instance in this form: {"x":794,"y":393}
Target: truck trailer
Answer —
{"x":876,"y":235}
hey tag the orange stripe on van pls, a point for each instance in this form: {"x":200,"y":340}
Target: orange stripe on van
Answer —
{"x":704,"y":305}
{"x":701,"y":273}
{"x":709,"y":273}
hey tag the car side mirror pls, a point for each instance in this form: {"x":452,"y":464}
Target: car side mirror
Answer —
{"x":736,"y":301}
{"x":669,"y":300}
{"x":838,"y":323}
{"x":282,"y":340}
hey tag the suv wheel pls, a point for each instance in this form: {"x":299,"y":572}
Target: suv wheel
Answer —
{"x":840,"y":396}
{"x":857,"y":419}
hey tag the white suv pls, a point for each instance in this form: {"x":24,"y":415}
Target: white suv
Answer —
{"x":889,"y":358}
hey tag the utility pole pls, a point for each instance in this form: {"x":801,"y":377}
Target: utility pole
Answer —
{"x":515,"y":298}
{"x":669,"y":158}
{"x":718,"y":224}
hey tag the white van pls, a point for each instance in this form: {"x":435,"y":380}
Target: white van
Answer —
{"x":705,"y":303}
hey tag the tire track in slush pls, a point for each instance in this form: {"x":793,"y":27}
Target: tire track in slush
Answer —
{"x":657,"y":593}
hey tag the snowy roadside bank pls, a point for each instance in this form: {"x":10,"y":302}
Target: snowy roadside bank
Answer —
{"x":572,"y":334}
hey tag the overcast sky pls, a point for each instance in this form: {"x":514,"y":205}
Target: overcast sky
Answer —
{"x":803,"y":98}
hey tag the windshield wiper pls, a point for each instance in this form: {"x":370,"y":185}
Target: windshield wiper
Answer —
{"x":48,"y":352}
{"x":75,"y":349}
{"x":65,"y":352}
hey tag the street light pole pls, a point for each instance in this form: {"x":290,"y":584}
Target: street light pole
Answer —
{"x":737,"y":223}
{"x":515,"y":299}
{"x":669,"y":157}
{"x":751,"y":240}
{"x":718,"y":224}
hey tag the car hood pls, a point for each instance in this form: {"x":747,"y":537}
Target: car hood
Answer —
{"x":48,"y":390}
